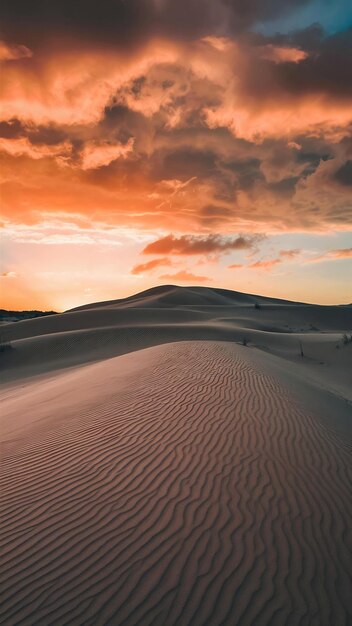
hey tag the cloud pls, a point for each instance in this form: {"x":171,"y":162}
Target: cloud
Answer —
{"x":344,"y":174}
{"x":289,"y":254}
{"x":281,"y":54}
{"x":263,"y":265}
{"x":150,"y":265}
{"x":72,"y":87}
{"x":62,"y":233}
{"x":187,"y":126}
{"x":298,"y":89}
{"x":8,"y":275}
{"x":236,"y":266}
{"x":267,"y":264}
{"x":14,"y":52}
{"x":222,"y":83}
{"x":94,"y":156}
{"x":243,"y":187}
{"x":83,"y":21}
{"x":23,"y":147}
{"x":333,"y":255}
{"x":194,"y":244}
{"x":185,"y":277}
{"x":128,"y":24}
{"x":323,"y":71}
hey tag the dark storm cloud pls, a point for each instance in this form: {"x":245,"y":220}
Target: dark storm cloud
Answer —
{"x":127,"y":22}
{"x":344,"y":174}
{"x":182,"y":163}
{"x":286,"y":186}
{"x":107,"y":21}
{"x":12,"y":129}
{"x":121,"y":123}
{"x":247,"y":171}
{"x":325,"y":70}
{"x":48,"y":135}
{"x":214,"y":216}
{"x":258,"y":124}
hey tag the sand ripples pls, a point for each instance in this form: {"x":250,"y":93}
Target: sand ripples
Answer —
{"x":196,"y":492}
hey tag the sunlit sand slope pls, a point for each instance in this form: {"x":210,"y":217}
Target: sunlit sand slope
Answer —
{"x":177,"y":485}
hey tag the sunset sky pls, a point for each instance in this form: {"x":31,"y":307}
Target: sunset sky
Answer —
{"x":190,"y":142}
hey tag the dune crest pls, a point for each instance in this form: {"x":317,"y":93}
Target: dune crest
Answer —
{"x":169,"y":313}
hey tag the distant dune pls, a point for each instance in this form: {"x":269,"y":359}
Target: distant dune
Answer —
{"x":7,"y":317}
{"x":172,"y":459}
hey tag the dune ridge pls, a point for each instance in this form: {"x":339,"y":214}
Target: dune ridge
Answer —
{"x":169,"y":313}
{"x":180,"y":484}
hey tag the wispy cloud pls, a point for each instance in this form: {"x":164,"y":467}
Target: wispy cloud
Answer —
{"x":333,"y":255}
{"x":289,"y":255}
{"x":184,"y":276}
{"x":187,"y":245}
{"x":14,"y":52}
{"x":150,"y":265}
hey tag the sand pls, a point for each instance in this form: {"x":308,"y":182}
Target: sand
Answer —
{"x":162,"y":473}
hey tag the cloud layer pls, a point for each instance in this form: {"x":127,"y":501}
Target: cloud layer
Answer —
{"x":214,"y":132}
{"x":181,"y":121}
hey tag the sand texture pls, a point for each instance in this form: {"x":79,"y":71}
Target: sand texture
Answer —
{"x":196,"y":481}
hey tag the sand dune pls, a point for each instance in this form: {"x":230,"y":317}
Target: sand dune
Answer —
{"x":192,"y":482}
{"x":169,"y":313}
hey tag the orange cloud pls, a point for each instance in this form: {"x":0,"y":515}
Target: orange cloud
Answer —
{"x":201,"y":137}
{"x":150,"y":265}
{"x":236,"y":266}
{"x":264,"y":265}
{"x":333,"y":255}
{"x":23,"y":147}
{"x":344,"y":253}
{"x":133,"y":192}
{"x":284,"y":255}
{"x":330,"y":255}
{"x":312,"y":117}
{"x":150,"y":138}
{"x":185,"y":277}
{"x":14,"y":52}
{"x":164,"y":120}
{"x":281,"y":54}
{"x":257,"y":265}
{"x":74,"y":88}
{"x":193,"y":244}
{"x":209,"y":75}
{"x":94,"y":156}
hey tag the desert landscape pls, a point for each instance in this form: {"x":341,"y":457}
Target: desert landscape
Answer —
{"x":176,"y":313}
{"x":178,"y":457}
